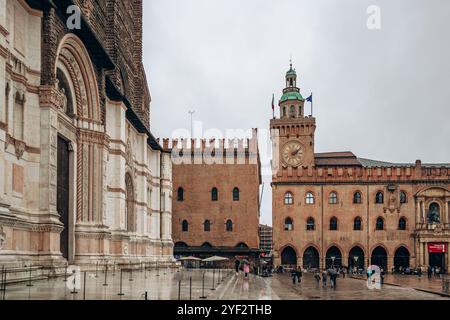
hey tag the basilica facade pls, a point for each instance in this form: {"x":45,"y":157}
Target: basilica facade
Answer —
{"x":336,"y":209}
{"x":82,"y":178}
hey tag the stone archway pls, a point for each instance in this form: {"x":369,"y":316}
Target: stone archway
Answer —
{"x":311,"y":258}
{"x":379,"y":257}
{"x":333,"y":257}
{"x":401,"y":258}
{"x":356,"y":258}
{"x":288,"y":256}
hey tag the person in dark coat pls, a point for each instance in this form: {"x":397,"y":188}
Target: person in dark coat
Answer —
{"x":237,"y":264}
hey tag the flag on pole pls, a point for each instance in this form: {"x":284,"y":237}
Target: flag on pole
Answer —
{"x":310,"y":99}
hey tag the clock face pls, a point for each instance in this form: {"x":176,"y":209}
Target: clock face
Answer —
{"x":293,"y":153}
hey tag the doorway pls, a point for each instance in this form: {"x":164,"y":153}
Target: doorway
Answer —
{"x":437,"y":260}
{"x":63,"y":185}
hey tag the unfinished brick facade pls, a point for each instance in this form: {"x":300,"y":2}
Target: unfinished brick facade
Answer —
{"x":337,"y":209}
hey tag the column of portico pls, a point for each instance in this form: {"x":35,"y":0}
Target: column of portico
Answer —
{"x":446,"y":218}
{"x":426,"y":256}
{"x":417,"y":211}
{"x":421,"y":252}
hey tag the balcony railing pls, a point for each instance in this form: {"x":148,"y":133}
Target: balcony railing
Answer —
{"x":433,"y":226}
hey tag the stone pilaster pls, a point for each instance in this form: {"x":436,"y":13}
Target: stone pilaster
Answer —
{"x":48,"y":100}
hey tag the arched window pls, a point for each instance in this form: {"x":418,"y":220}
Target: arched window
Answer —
{"x":180,"y":194}
{"x":207,"y":226}
{"x":380,"y":224}
{"x":402,"y":224}
{"x":333,"y":199}
{"x":185,"y":226}
{"x":357,"y":198}
{"x":333,"y":224}
{"x":357,"y":224}
{"x":288,"y":198}
{"x":18,"y":116}
{"x":288,"y":224}
{"x":379,"y":198}
{"x":310,"y":224}
{"x":236,"y":194}
{"x":229,"y":226}
{"x":292,"y":111}
{"x":403,"y":197}
{"x":309,"y":198}
{"x":214,"y":194}
{"x":284,"y":111}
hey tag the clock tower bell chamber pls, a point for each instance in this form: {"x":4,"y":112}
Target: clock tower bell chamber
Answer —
{"x":293,"y":132}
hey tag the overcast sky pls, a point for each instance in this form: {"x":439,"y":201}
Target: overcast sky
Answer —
{"x":382,"y":94}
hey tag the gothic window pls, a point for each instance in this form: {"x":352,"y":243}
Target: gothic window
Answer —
{"x":180,"y":194}
{"x":402,"y":224}
{"x":185,"y":226}
{"x":379,"y":198}
{"x":357,"y":197}
{"x":299,"y":110}
{"x":333,"y":224}
{"x":403,"y":197}
{"x":229,"y":226}
{"x":380,"y":224}
{"x":288,"y":224}
{"x":357,"y":224}
{"x":309,"y":198}
{"x":288,"y":198}
{"x":333,"y":199}
{"x":214,"y":194}
{"x":18,"y":115}
{"x":310,"y":224}
{"x":236,"y":194}
{"x":207,"y":226}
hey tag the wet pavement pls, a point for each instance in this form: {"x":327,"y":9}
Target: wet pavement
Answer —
{"x":171,"y":284}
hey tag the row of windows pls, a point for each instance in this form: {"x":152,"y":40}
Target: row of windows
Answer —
{"x":214,"y":194}
{"x":207,"y":226}
{"x":357,"y":224}
{"x":333,"y":198}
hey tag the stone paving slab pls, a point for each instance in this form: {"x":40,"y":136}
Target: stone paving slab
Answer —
{"x":164,"y":285}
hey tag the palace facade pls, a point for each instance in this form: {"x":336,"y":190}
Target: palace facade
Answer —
{"x":332,"y":209}
{"x":216,"y":197}
{"x":82,"y":179}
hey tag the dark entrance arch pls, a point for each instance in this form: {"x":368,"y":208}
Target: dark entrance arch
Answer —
{"x":379,"y":257}
{"x":401,"y":258}
{"x":333,"y":258}
{"x":311,"y":259}
{"x":289,"y":256}
{"x":356,"y":258}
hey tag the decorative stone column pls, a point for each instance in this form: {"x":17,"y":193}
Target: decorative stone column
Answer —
{"x":426,"y":255}
{"x":421,"y":260}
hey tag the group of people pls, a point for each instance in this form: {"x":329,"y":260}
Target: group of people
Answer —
{"x":434,"y":271}
{"x":332,"y":274}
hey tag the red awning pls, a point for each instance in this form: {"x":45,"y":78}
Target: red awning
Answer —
{"x":437,"y":248}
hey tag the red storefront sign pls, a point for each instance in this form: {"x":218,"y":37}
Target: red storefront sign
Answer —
{"x":437,"y":248}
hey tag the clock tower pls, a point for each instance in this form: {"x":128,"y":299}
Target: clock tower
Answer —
{"x":293,"y":132}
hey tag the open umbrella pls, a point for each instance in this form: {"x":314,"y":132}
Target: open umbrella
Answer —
{"x":190,"y":259}
{"x":215,"y":259}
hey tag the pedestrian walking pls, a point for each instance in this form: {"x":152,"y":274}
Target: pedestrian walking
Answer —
{"x":429,"y":272}
{"x":317,"y":277}
{"x":294,"y":275}
{"x":237,"y":264}
{"x":246,"y":270}
{"x":299,"y":274}
{"x":324,"y":278}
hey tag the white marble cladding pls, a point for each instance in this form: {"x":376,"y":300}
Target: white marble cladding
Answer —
{"x":102,"y":154}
